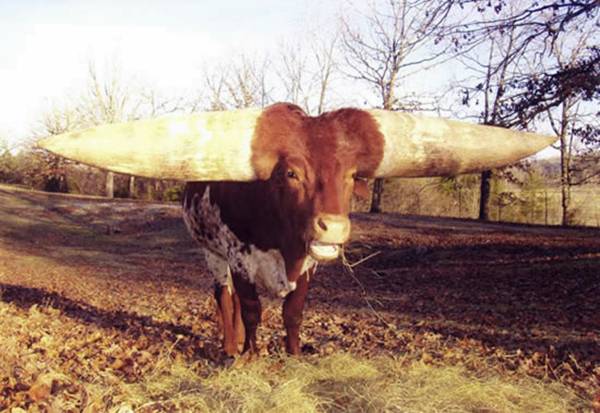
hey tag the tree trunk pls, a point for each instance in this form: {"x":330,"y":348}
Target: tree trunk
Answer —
{"x":110,"y":185}
{"x":484,"y":196}
{"x":132,"y":187}
{"x":150,"y":190}
{"x":388,"y":98}
{"x":376,"y":198}
{"x":545,"y":207}
{"x":565,"y":186}
{"x":158,"y":190}
{"x":565,"y":165}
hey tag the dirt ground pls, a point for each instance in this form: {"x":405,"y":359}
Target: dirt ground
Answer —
{"x":125,"y":276}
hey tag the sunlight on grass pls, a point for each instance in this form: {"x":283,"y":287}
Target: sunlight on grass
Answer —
{"x":99,"y":323}
{"x":344,"y":383}
{"x":341,"y":382}
{"x":43,"y":376}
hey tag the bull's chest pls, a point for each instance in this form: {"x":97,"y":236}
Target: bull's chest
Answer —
{"x":226,"y":254}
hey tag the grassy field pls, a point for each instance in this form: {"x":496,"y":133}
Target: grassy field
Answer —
{"x":541,"y":205}
{"x":105,"y":306}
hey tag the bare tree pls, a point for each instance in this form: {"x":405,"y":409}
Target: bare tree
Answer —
{"x":324,"y":53}
{"x":239,"y":83}
{"x":505,"y":61}
{"x":397,"y":39}
{"x":8,"y":167}
{"x":566,"y":118}
{"x":214,"y":82}
{"x":108,"y":97}
{"x":546,"y":21}
{"x":307,"y":70}
{"x":293,"y":73}
{"x":515,"y":94}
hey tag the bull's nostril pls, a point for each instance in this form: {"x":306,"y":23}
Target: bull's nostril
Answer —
{"x":322,"y":224}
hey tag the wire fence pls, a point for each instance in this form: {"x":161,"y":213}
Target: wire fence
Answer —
{"x":539,"y":206}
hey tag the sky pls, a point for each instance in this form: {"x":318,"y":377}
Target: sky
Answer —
{"x":46,"y":45}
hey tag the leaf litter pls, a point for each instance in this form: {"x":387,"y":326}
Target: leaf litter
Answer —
{"x":439,"y":314}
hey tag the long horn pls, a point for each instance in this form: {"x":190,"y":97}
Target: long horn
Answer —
{"x":205,"y":146}
{"x":417,"y":146}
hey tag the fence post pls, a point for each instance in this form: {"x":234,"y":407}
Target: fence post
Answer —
{"x":545,"y":207}
{"x":110,"y":184}
{"x":132,"y":187}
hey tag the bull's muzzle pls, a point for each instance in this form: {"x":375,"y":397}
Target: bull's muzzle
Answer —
{"x":329,"y":233}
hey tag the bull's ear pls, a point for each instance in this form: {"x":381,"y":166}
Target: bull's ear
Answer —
{"x":361,"y":188}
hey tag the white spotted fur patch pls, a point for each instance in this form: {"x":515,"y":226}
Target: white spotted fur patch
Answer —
{"x":225,"y":253}
{"x":309,"y":264}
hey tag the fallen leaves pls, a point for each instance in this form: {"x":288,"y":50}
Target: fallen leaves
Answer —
{"x":596,"y":402}
{"x":85,"y":315}
{"x":41,"y":388}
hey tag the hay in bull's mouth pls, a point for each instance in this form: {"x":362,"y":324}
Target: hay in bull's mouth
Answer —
{"x":323,"y":251}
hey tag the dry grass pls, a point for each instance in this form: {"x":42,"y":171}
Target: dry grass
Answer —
{"x":340,"y":382}
{"x":422,"y":196}
{"x":484,"y":318}
{"x":343,"y":382}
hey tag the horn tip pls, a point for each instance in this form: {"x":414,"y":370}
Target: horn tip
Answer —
{"x":42,"y":143}
{"x":542,"y":141}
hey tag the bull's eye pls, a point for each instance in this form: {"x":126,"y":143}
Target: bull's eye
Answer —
{"x":357,"y":177}
{"x":291,"y":174}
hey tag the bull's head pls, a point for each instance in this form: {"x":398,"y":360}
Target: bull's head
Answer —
{"x":312,"y":164}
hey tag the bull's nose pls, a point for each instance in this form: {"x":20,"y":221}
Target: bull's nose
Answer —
{"x":322,"y":224}
{"x":330,"y":228}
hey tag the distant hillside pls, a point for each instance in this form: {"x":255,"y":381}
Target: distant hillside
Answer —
{"x":585,"y":167}
{"x":549,"y":167}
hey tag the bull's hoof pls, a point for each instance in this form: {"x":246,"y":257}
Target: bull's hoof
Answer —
{"x":228,"y":361}
{"x":293,"y":351}
{"x":231,"y":349}
{"x":309,"y":349}
{"x":292,"y":347}
{"x":210,"y":351}
{"x":245,"y":359}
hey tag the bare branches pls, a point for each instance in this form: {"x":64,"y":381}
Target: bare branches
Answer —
{"x":324,"y":54}
{"x":542,"y":19}
{"x":108,"y":97}
{"x":379,"y":54}
{"x":292,"y":72}
{"x":238,"y":83}
{"x":307,"y":70}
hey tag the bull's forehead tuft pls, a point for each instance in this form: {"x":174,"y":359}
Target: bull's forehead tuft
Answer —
{"x":349,"y":136}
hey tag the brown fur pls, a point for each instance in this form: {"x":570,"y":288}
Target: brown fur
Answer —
{"x":309,"y":168}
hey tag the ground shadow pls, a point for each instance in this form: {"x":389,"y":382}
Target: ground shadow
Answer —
{"x":126,"y":322}
{"x":515,"y":286}
{"x":518,"y":295}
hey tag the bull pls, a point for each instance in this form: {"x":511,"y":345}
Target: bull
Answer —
{"x":269,"y":190}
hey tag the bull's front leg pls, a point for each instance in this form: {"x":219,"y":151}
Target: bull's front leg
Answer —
{"x":251,"y":311}
{"x":229,"y":316}
{"x":292,"y":314}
